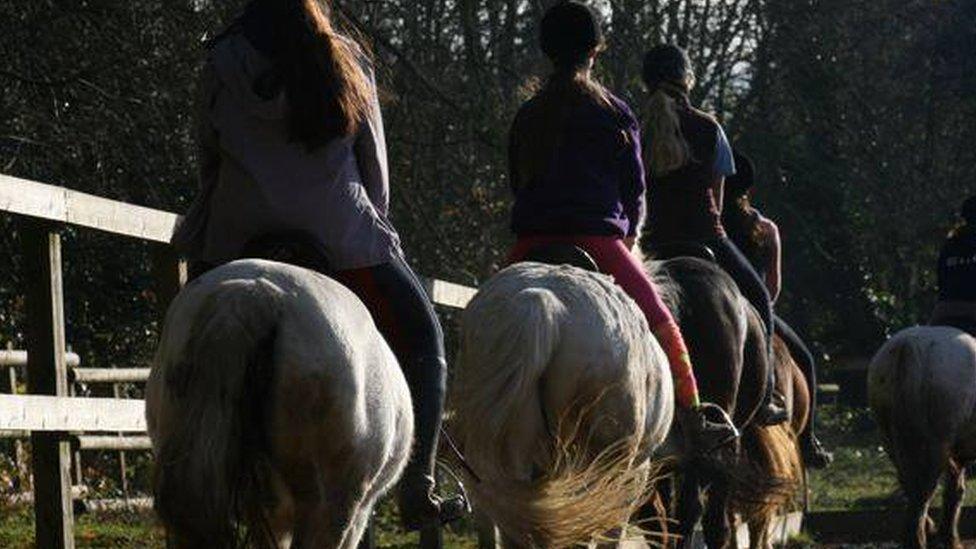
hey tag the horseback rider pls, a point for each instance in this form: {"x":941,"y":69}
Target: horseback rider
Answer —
{"x":957,"y":274}
{"x":689,"y":157}
{"x":759,"y":239}
{"x":576,"y":171}
{"x":291,"y":143}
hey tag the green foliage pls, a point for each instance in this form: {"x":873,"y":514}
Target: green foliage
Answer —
{"x":859,"y":118}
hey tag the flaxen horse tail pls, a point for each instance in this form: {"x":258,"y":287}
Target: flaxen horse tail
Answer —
{"x":558,"y":401}
{"x":207,"y":462}
{"x":773,"y":452}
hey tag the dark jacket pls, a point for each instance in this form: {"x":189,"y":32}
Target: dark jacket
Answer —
{"x":957,"y":267}
{"x":593,"y":184}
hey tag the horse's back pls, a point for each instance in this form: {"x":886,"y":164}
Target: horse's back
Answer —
{"x":922,"y":382}
{"x":723,"y":331}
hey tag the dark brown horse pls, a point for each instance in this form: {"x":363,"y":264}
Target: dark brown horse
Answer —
{"x":727,"y":344}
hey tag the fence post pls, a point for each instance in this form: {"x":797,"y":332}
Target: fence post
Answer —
{"x":47,"y":375}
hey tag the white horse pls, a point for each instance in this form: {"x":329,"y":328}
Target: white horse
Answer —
{"x":560,"y":398}
{"x":273,"y":404}
{"x":922,"y":389}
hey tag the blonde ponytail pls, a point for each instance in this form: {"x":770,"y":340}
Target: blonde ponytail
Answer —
{"x":667,"y":150}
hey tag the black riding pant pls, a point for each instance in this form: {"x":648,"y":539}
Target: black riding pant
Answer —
{"x":808,"y":366}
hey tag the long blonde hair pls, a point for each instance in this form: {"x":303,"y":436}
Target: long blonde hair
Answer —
{"x":669,"y":78}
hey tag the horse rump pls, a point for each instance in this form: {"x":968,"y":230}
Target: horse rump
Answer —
{"x":545,"y":476}
{"x":205,"y":400}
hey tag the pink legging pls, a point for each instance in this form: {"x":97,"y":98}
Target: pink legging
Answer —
{"x":613,"y":258}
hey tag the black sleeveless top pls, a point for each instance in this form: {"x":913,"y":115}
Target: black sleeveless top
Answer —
{"x":681,"y":205}
{"x":743,"y":230}
{"x":957,"y":267}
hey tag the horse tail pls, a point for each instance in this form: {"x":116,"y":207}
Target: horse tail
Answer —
{"x":210,"y":449}
{"x":773,"y":452}
{"x":501,"y":364}
{"x":894,"y":383}
{"x":538,"y":481}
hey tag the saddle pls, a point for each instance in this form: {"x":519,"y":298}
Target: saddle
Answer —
{"x":292,"y":247}
{"x":672,"y":250}
{"x":562,"y":254}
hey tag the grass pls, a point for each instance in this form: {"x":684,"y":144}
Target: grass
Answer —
{"x":104,"y":530}
{"x":862,"y":477}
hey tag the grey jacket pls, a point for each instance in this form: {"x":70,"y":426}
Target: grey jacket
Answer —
{"x":255,"y":181}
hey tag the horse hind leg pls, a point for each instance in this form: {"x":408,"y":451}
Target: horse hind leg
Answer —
{"x":716,"y":524}
{"x":689,"y":507}
{"x":920,"y":477}
{"x":952,"y":496}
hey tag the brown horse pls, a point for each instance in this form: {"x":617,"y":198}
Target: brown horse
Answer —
{"x":774,"y":452}
{"x":727,"y":345}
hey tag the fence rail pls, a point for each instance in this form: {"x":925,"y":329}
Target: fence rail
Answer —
{"x":48,"y":412}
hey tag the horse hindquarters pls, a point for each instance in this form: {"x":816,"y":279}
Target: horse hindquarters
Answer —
{"x":899,"y":393}
{"x":556,"y":386}
{"x":336,"y":454}
{"x":273,"y":403}
{"x":199,"y":385}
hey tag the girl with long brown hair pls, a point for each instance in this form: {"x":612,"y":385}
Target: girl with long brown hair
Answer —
{"x":576,"y":171}
{"x":759,"y":239}
{"x":688,"y":157}
{"x":292,"y":153}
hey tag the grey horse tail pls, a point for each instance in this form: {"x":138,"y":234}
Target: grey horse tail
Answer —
{"x":212,"y":460}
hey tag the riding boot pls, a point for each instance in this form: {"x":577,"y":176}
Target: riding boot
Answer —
{"x":773,"y":410}
{"x":419,"y":507}
{"x":815,"y":456}
{"x":703,"y":435}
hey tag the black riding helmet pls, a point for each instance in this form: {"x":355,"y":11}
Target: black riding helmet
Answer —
{"x":739,"y":183}
{"x":665,"y":63}
{"x":569,"y":32}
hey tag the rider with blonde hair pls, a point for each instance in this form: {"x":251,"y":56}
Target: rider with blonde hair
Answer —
{"x":578,"y":179}
{"x":689,"y":157}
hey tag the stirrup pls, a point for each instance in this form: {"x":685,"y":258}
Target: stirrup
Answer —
{"x":454,"y":508}
{"x":725,"y":417}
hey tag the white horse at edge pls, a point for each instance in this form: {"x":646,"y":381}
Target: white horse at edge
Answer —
{"x":273,"y":403}
{"x":922,"y":390}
